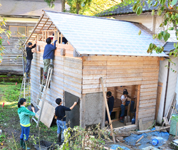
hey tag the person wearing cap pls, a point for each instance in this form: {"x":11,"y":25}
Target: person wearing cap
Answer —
{"x":29,"y":57}
{"x":48,"y":55}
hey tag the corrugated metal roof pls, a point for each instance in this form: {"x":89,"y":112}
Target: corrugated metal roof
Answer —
{"x":169,"y":46}
{"x":93,"y":35}
{"x":124,"y":9}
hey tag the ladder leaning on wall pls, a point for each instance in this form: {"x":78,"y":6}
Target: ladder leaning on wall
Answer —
{"x":25,"y":89}
{"x":42,"y":96}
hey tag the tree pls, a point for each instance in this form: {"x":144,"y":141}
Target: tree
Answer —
{"x":75,"y":5}
{"x":169,"y":10}
{"x":5,"y":32}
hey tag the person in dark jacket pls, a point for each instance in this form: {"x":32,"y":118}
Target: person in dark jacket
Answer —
{"x":24,"y":116}
{"x":110,"y":103}
{"x":61,"y":117}
{"x":48,"y":54}
{"x":29,"y":57}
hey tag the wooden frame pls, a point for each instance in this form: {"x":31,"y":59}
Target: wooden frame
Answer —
{"x":138,"y":101}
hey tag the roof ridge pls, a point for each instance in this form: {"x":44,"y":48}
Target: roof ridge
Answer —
{"x":66,"y":13}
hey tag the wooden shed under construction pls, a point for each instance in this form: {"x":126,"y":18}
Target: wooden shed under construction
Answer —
{"x":89,"y":48}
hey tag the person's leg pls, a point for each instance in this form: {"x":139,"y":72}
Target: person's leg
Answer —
{"x":27,"y":68}
{"x":46,"y":66}
{"x":122,"y":110}
{"x":58,"y":128}
{"x":26,"y":136}
{"x":106,"y":117}
{"x":63,"y":127}
{"x":21,"y":137}
{"x":132,"y":106}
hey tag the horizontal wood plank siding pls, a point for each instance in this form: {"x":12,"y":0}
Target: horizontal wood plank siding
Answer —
{"x":67,"y":76}
{"x":124,"y":71}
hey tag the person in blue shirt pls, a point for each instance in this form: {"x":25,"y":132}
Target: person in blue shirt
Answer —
{"x":48,"y":54}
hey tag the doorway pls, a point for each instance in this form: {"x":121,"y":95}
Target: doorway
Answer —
{"x":129,"y":117}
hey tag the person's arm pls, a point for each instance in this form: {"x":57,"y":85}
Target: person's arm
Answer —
{"x":75,"y":103}
{"x":30,"y":113}
{"x":55,"y":114}
{"x":34,"y":45}
{"x":54,"y":45}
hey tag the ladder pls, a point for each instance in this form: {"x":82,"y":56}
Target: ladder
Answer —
{"x":42,"y":96}
{"x":25,"y":89}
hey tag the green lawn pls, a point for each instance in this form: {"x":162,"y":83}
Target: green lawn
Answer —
{"x":9,"y":120}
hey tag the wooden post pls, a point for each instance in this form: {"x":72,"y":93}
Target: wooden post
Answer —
{"x":58,"y":35}
{"x":61,"y":38}
{"x":138,"y":100}
{"x":107,"y":109}
{"x":24,"y":86}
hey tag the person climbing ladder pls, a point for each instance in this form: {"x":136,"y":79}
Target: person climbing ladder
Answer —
{"x":48,"y":55}
{"x":29,"y":58}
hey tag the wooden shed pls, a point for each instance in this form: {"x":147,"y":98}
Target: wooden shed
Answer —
{"x":95,"y":48}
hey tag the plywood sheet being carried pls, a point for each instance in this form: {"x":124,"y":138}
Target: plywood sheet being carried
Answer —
{"x":47,"y":114}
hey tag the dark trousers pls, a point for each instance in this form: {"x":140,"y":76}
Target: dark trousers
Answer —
{"x":24,"y":133}
{"x":107,"y":115}
{"x":28,"y":66}
{"x":123,"y":107}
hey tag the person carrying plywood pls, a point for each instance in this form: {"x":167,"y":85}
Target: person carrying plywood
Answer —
{"x":29,"y":58}
{"x":48,"y":55}
{"x":61,"y":118}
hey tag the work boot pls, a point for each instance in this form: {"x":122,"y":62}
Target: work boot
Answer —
{"x":25,"y":145}
{"x":21,"y":143}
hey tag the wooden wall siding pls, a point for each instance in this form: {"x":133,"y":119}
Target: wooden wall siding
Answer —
{"x":68,"y":48}
{"x":67,"y":76}
{"x":123,"y":71}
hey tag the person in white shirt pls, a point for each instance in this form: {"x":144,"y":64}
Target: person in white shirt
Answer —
{"x":123,"y":99}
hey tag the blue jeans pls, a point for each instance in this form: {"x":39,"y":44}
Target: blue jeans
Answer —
{"x":61,"y":126}
{"x":107,"y":115}
{"x":28,"y":66}
{"x":24,"y":133}
{"x":123,"y":107}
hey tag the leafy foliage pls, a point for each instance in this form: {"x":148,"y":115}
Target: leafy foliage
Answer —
{"x":3,"y":31}
{"x":78,"y":138}
{"x":168,"y":9}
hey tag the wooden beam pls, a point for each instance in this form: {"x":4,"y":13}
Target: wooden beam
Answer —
{"x":44,"y":24}
{"x":138,"y":100}
{"x":35,"y":27}
{"x":107,"y":109}
{"x":50,"y":25}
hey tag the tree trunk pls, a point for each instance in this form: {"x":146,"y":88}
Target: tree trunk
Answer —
{"x":77,"y":7}
{"x":63,"y":5}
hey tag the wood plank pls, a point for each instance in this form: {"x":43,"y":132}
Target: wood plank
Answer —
{"x":160,"y":86}
{"x":138,"y":100}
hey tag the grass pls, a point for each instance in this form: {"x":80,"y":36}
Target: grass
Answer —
{"x":9,"y":120}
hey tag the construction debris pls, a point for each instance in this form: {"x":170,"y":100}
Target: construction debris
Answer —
{"x":145,"y":139}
